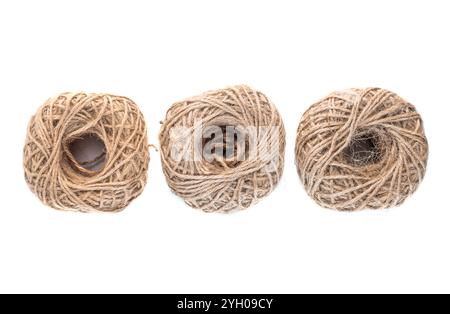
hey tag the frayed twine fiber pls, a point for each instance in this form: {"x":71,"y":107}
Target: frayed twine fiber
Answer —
{"x":361,"y":148}
{"x":57,"y":178}
{"x":219,"y":186}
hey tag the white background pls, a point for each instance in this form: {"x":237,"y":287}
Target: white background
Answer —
{"x":157,"y":52}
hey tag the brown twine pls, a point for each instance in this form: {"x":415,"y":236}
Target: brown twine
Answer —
{"x":222,"y":185}
{"x":59,"y":180}
{"x":361,"y":148}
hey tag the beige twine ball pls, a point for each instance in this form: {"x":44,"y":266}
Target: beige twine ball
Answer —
{"x":221,"y":183}
{"x":361,"y":148}
{"x":55,"y":175}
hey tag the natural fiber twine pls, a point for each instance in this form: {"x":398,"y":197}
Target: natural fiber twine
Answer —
{"x":56,"y":177}
{"x":220,"y":185}
{"x":361,"y":148}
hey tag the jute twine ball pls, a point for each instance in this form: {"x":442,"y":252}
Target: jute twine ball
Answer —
{"x":53,"y":172}
{"x":361,"y":148}
{"x":244,"y":170}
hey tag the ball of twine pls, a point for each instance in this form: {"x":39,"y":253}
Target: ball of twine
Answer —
{"x":60,"y":180}
{"x":361,"y":148}
{"x":223,"y":183}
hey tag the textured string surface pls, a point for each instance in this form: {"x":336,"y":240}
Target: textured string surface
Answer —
{"x":220,"y":186}
{"x":59,"y":180}
{"x":361,"y":148}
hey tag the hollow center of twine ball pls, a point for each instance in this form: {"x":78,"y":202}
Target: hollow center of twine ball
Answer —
{"x":89,"y":152}
{"x":224,"y":145}
{"x":364,"y":149}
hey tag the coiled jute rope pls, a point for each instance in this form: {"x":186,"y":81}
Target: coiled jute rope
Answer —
{"x":361,"y":148}
{"x":60,"y":180}
{"x":223,"y":184}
